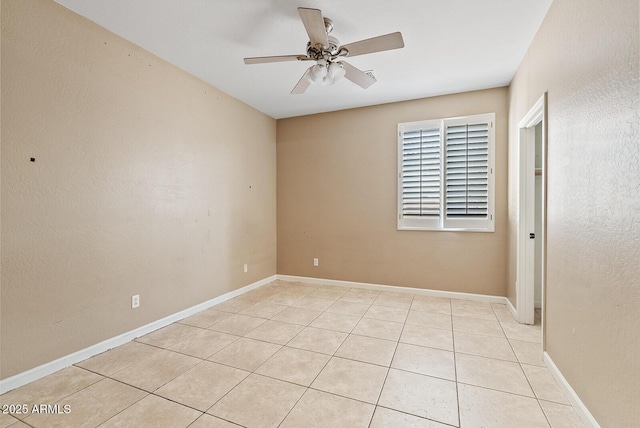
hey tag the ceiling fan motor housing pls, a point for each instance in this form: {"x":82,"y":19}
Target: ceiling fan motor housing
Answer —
{"x":317,"y":52}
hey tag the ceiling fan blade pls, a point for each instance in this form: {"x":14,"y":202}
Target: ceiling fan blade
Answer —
{"x":302,"y":84}
{"x":314,"y":24}
{"x":375,"y":44}
{"x":265,"y":59}
{"x":357,"y":76}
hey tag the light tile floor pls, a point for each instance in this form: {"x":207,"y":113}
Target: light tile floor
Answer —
{"x":300,"y":355}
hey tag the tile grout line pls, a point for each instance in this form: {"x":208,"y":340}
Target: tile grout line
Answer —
{"x":455,"y":368}
{"x":522,"y":370}
{"x":418,"y":416}
{"x":391,"y":362}
{"x":68,"y":395}
{"x":148,"y":393}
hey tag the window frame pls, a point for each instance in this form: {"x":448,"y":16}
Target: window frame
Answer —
{"x":442,"y":223}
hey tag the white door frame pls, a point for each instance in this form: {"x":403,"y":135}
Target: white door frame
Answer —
{"x":525,"y":287}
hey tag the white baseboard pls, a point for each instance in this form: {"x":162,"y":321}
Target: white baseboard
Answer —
{"x":68,"y":360}
{"x":577,"y":404}
{"x":512,"y":308}
{"x":397,"y":289}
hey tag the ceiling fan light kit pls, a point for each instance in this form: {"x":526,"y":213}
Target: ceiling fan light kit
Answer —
{"x":329,"y":55}
{"x":336,"y":71}
{"x":325,"y":73}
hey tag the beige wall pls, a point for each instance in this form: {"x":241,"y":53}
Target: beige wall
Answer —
{"x":337,"y":193}
{"x":146,"y":181}
{"x":586,"y":56}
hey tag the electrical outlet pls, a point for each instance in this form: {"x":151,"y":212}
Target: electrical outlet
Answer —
{"x":246,"y":268}
{"x":135,"y":301}
{"x":315,"y":262}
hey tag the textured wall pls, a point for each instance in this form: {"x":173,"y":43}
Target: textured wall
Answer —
{"x":146,"y":181}
{"x":586,"y":56}
{"x":337,"y":196}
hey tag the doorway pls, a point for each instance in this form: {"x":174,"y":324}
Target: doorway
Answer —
{"x":531,"y":260}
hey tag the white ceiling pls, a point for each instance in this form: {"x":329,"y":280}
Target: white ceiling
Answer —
{"x":450,"y":45}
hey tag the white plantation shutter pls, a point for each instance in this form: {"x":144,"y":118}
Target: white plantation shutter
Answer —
{"x":420,"y":179}
{"x":421,"y":173}
{"x":446,"y":174}
{"x":467,"y":170}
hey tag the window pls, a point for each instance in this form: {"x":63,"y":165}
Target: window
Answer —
{"x":445,"y":174}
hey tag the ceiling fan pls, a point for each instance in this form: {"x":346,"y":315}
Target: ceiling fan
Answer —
{"x":328,"y":54}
